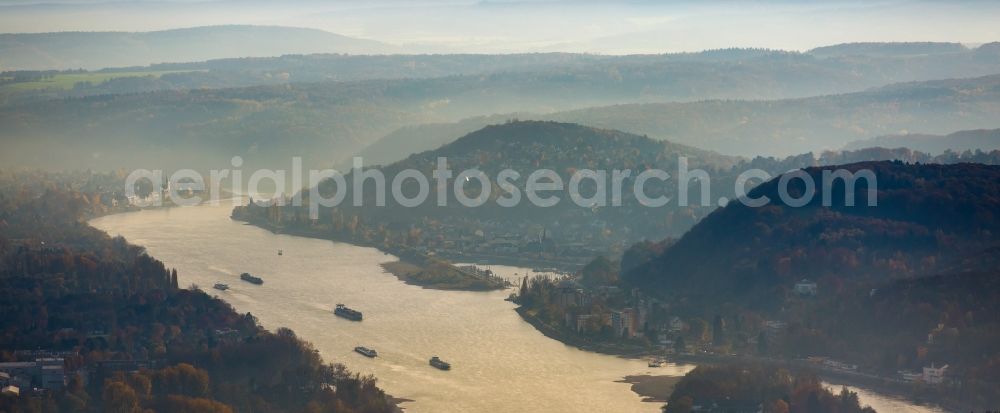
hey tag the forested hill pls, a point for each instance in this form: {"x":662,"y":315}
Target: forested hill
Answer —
{"x":527,"y":146}
{"x":927,"y":218}
{"x":580,"y":142}
{"x":96,"y":50}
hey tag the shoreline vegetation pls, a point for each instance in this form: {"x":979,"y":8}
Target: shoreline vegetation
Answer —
{"x":413,"y":273}
{"x":753,"y":387}
{"x":652,"y":389}
{"x":646,"y":385}
{"x":920,"y":328}
{"x":438,"y":275}
{"x":122,"y":333}
{"x":410,"y":270}
{"x":412,"y":267}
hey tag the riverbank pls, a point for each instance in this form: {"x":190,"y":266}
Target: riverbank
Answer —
{"x":438,"y":275}
{"x":652,"y":389}
{"x":568,"y":266}
{"x":477,"y":332}
{"x":411,"y":268}
{"x":873,"y":383}
{"x":612,"y":349}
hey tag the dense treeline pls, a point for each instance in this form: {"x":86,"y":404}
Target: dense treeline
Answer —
{"x":131,"y":339}
{"x":926,"y":217}
{"x":752,"y":387}
{"x":524,"y":146}
{"x":903,"y":285}
{"x":951,"y":319}
{"x":527,"y":146}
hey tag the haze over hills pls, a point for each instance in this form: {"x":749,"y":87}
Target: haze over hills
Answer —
{"x":330,"y":121}
{"x":617,"y":27}
{"x":96,"y":50}
{"x":750,"y":128}
{"x":971,"y":140}
{"x":750,"y":73}
{"x":888,"y":49}
{"x":591,"y":158}
{"x":786,"y":127}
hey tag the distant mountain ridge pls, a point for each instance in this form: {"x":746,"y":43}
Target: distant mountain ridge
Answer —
{"x":970,"y":140}
{"x":887,"y":49}
{"x":733,"y":73}
{"x":96,"y":50}
{"x":780,"y":127}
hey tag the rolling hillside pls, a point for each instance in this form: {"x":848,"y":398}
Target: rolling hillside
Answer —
{"x":909,"y":282}
{"x":927,"y":218}
{"x":750,"y":128}
{"x":96,"y":50}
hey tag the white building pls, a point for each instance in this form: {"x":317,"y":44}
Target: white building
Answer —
{"x":806,"y":288}
{"x":11,"y":391}
{"x":934,"y":375}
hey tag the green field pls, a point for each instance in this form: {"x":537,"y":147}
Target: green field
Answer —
{"x":68,"y":80}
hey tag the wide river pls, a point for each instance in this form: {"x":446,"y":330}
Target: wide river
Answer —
{"x":499,"y":362}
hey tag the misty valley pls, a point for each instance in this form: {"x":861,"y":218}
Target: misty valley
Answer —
{"x":532,"y":206}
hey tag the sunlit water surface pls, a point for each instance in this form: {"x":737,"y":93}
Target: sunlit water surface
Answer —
{"x":500,"y":363}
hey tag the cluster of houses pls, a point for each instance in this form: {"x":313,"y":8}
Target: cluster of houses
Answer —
{"x":570,"y":241}
{"x":37,"y":372}
{"x":625,"y":322}
{"x":41,"y":374}
{"x":631,"y":320}
{"x":628,"y":320}
{"x":50,"y":371}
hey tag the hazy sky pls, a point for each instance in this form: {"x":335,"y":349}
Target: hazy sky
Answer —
{"x":542,"y":25}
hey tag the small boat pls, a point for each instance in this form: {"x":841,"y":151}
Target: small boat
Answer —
{"x":251,"y":279}
{"x":365,"y":351}
{"x":655,"y":363}
{"x":281,"y":252}
{"x":347,"y":312}
{"x":221,"y":286}
{"x":440,"y":364}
